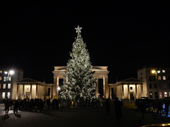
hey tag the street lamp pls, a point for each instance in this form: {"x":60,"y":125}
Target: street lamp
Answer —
{"x":156,"y":73}
{"x":11,"y":72}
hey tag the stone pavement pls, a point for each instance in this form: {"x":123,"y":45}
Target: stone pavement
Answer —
{"x":2,"y":109}
{"x":81,"y":117}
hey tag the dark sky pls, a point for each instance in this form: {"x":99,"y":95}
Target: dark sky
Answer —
{"x":125,"y":36}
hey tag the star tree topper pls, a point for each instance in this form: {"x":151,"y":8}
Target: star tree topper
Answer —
{"x":78,"y":30}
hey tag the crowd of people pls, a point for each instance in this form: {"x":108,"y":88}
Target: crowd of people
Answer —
{"x":29,"y":105}
{"x":157,"y":106}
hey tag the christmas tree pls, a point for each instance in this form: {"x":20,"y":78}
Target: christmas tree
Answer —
{"x":79,"y":83}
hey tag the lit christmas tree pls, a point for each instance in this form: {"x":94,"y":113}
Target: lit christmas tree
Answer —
{"x":79,"y":83}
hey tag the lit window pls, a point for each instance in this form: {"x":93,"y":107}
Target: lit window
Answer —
{"x":9,"y":86}
{"x":8,"y":95}
{"x":5,"y":72}
{"x":4,"y":86}
{"x":9,"y":78}
{"x":0,"y":78}
{"x":159,"y":77}
{"x":3,"y":95}
{"x":5,"y":79}
{"x":164,"y":77}
{"x":0,"y":71}
{"x":163,"y":71}
{"x":150,"y":94}
{"x":160,"y":94}
{"x":165,"y":94}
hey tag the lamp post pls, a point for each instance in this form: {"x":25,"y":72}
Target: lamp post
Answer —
{"x":156,"y":74}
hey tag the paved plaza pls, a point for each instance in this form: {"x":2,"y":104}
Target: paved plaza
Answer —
{"x":80,"y":117}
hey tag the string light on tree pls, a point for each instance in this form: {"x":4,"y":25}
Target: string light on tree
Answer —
{"x":79,"y":77}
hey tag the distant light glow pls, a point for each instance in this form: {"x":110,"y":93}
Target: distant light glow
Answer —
{"x":153,"y":71}
{"x":58,"y":88}
{"x":11,"y":72}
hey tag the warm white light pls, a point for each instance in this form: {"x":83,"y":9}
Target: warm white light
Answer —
{"x":153,"y":71}
{"x":58,"y":88}
{"x":163,"y":71}
{"x":11,"y":72}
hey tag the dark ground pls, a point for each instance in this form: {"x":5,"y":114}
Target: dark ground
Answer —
{"x":81,"y":117}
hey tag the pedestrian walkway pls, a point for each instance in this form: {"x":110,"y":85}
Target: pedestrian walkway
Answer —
{"x":2,"y":112}
{"x":82,"y":117}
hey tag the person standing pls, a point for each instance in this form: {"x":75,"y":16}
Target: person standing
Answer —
{"x":7,"y":105}
{"x":160,"y":107}
{"x":118,"y":112}
{"x":107,"y":105}
{"x":15,"y":108}
{"x":167,"y":107}
{"x":143,"y":108}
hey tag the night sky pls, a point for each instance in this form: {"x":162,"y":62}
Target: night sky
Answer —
{"x":125,"y":36}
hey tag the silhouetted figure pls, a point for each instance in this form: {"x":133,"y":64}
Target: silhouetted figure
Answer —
{"x":36,"y":104}
{"x":160,"y":107}
{"x":40,"y":105}
{"x":55,"y":104}
{"x":107,"y":105}
{"x":143,"y":108}
{"x":167,"y":107}
{"x":48,"y":103}
{"x":15,"y":108}
{"x":118,"y":111}
{"x":4,"y":103}
{"x":7,"y":105}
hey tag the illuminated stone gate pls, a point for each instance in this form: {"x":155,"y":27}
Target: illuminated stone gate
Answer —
{"x":101,"y":73}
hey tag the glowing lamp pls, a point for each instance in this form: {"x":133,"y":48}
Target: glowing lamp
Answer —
{"x":158,"y":71}
{"x":58,"y":88}
{"x":153,"y":71}
{"x":11,"y":72}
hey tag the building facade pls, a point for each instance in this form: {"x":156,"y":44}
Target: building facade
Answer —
{"x":156,"y":82}
{"x":8,"y":81}
{"x":101,"y":74}
{"x":32,"y":89}
{"x":152,"y":83}
{"x":129,"y":89}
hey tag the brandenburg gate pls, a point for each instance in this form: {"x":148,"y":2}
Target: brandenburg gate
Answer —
{"x":101,"y":74}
